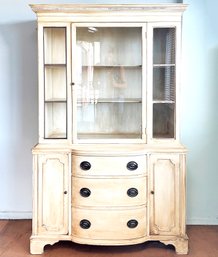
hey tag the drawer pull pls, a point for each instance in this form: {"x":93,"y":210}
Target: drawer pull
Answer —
{"x":132,"y":165}
{"x":85,"y":165}
{"x":132,"y":223}
{"x":85,"y":192}
{"x":132,"y":192}
{"x":85,"y":224}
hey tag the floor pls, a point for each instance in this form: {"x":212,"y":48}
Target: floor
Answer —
{"x":14,"y":242}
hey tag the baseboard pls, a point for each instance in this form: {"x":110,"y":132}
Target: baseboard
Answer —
{"x":202,"y":221}
{"x":13,"y":215}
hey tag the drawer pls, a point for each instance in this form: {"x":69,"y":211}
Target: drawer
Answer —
{"x":109,"y":191}
{"x":109,"y":166}
{"x":109,"y":224}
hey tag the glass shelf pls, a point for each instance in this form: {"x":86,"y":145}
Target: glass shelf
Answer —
{"x":54,"y":65}
{"x":87,"y":136}
{"x":163,"y":65}
{"x":55,"y":101}
{"x":113,"y":66}
{"x":111,"y":100}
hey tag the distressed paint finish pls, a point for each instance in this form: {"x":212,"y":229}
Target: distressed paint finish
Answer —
{"x":155,"y":209}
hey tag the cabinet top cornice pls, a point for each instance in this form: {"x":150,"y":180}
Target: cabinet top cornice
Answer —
{"x":98,"y":8}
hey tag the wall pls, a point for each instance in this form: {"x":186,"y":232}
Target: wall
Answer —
{"x":18,"y":106}
{"x":199,"y":109}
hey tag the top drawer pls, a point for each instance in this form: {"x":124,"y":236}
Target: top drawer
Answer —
{"x":109,"y":166}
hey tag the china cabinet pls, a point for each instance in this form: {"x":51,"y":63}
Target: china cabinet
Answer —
{"x":109,"y":168}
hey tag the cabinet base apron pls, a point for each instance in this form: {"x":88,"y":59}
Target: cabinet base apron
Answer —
{"x":37,"y":243}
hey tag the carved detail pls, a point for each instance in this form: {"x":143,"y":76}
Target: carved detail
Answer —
{"x":37,"y":245}
{"x":180,"y":244}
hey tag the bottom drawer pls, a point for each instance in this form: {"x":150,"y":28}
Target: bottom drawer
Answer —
{"x":109,"y":224}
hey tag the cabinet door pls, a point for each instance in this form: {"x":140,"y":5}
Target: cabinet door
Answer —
{"x":164,"y":194}
{"x":54,"y":81}
{"x":163,"y":80}
{"x":108,"y":77}
{"x":53,"y":194}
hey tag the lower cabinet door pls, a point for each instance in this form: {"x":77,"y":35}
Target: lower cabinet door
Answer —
{"x":164,"y":194}
{"x":109,"y":224}
{"x":52,"y":193}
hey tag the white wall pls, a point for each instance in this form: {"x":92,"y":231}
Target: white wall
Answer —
{"x":199,"y":111}
{"x":18,"y":106}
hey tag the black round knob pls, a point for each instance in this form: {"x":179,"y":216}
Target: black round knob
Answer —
{"x":65,"y":192}
{"x":132,"y":165}
{"x":132,"y":192}
{"x":85,"y":165}
{"x":85,"y":192}
{"x":85,"y":224}
{"x":132,"y":223}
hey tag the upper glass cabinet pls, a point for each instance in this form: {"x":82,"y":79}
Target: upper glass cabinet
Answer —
{"x":55,"y":83}
{"x":109,"y":82}
{"x":164,"y":82}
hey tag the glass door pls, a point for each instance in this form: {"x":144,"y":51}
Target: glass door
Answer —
{"x":109,"y":82}
{"x":164,"y":82}
{"x":55,"y":83}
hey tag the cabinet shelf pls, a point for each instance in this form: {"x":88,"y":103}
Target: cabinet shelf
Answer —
{"x":55,"y":65}
{"x":56,"y":101}
{"x":56,"y":136}
{"x":113,"y":66}
{"x":108,"y":135}
{"x":163,"y":65}
{"x":111,"y":100}
{"x":163,"y":102}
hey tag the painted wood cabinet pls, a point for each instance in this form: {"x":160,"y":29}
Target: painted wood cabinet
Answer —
{"x":109,"y":168}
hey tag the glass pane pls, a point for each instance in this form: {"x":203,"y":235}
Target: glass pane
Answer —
{"x":109,"y":82}
{"x":55,"y":83}
{"x":164,"y":83}
{"x":164,"y":46}
{"x":55,"y":120}
{"x":109,"y":120}
{"x":109,"y":46}
{"x":163,"y":120}
{"x":54,"y":45}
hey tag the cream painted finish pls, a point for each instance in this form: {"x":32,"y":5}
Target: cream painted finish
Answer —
{"x":114,"y":195}
{"x":116,"y":228}
{"x":53,"y":213}
{"x":109,"y":166}
{"x":109,"y":181}
{"x":164,"y":179}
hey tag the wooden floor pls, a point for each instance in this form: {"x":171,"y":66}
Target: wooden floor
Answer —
{"x":14,"y":242}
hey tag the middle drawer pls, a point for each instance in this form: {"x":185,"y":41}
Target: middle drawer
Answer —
{"x":109,"y":192}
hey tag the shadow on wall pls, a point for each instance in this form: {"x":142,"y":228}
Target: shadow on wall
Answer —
{"x":18,"y":61}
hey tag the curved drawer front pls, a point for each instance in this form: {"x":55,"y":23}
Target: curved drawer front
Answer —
{"x":109,"y":166}
{"x":109,"y":224}
{"x":109,"y":192}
